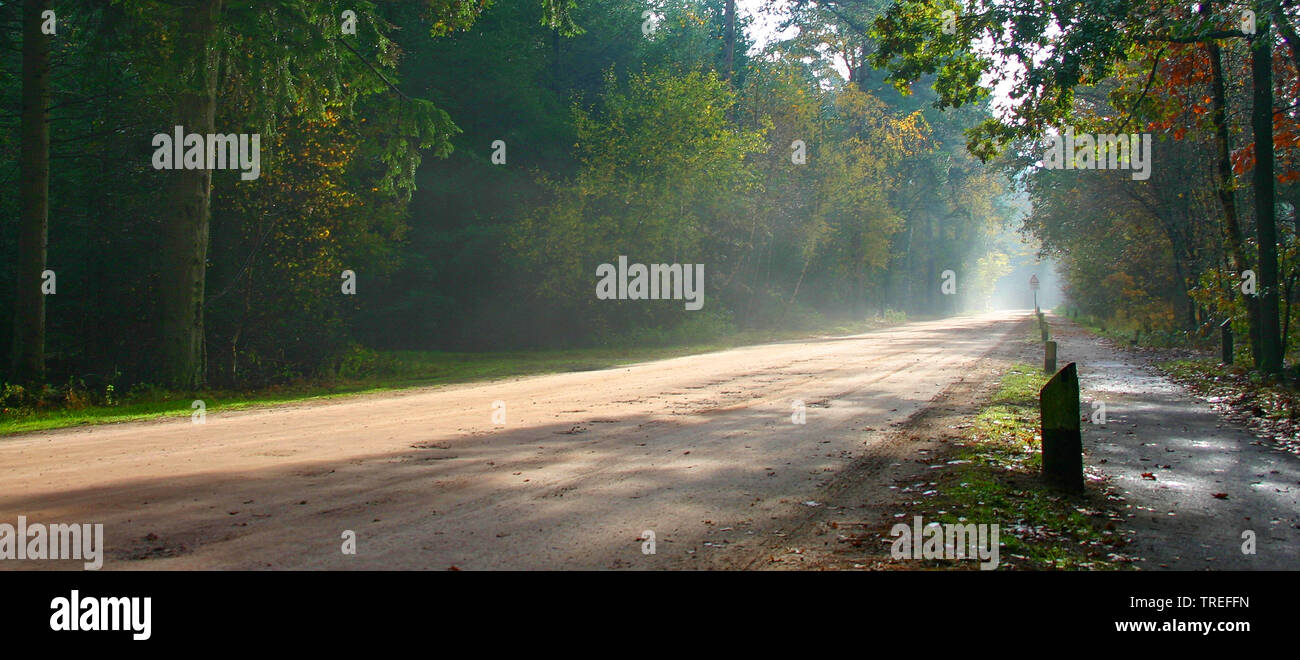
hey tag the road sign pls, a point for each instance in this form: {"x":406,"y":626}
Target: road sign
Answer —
{"x":1033,"y":282}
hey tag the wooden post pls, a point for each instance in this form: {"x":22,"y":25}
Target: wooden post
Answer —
{"x":1226,"y":327}
{"x":1058,"y":404}
{"x":1049,"y":357}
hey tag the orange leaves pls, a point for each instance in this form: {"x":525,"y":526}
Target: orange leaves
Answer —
{"x":1186,"y":69}
{"x":1285,"y":138}
{"x":1243,"y":159}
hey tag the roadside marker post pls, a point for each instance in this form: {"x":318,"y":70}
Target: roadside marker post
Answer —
{"x":1058,"y":404}
{"x":1049,"y":357}
{"x":1226,"y":327}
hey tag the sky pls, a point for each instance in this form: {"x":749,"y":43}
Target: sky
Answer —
{"x":764,"y":30}
{"x":766,"y":26}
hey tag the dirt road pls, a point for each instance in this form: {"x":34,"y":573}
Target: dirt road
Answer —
{"x":700,"y":450}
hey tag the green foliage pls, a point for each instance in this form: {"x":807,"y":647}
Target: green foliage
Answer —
{"x":1044,"y":51}
{"x":316,"y":211}
{"x":658,"y":164}
{"x":376,"y":158}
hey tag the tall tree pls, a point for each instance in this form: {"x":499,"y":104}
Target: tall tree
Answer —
{"x":238,"y":49}
{"x":185,"y":222}
{"x":34,"y":190}
{"x":1261,"y":56}
{"x":1237,"y":258}
{"x":729,"y":39}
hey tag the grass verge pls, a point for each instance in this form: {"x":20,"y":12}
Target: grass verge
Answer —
{"x":993,"y":477}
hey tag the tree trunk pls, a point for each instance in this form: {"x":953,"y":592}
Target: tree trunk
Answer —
{"x":729,"y":40}
{"x":1286,"y":315}
{"x":1270,"y":345}
{"x":931,"y":271}
{"x":1237,"y":258}
{"x":34,"y":195}
{"x":555,"y":61}
{"x":185,"y":220}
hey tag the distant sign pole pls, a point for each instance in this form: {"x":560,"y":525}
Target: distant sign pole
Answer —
{"x":1033,"y":284}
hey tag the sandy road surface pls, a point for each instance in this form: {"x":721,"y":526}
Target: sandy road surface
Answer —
{"x":583,"y":465}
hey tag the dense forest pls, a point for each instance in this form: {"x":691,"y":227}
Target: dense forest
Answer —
{"x":450,"y":174}
{"x":1209,"y":236}
{"x":1184,"y":249}
{"x":454,"y":174}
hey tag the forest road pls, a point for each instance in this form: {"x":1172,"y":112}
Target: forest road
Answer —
{"x":703,"y":451}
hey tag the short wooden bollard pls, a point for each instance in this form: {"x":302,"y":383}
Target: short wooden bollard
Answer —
{"x":1058,"y":404}
{"x":1226,"y":327}
{"x":1049,"y":357}
{"x":1042,"y":328}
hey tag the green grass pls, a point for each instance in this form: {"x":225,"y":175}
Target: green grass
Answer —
{"x":1041,"y":528}
{"x":381,"y":372}
{"x":1020,"y":386}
